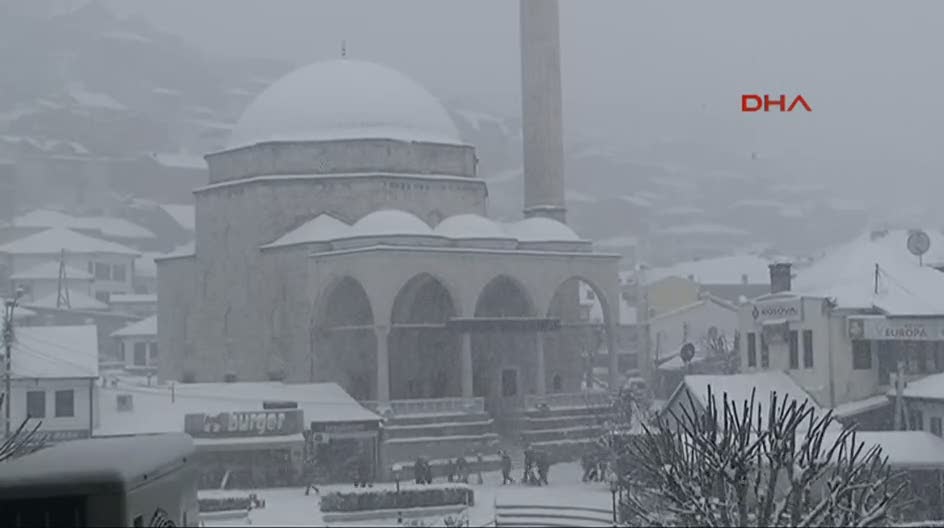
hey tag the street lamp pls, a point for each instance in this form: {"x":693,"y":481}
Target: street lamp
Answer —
{"x":614,"y":489}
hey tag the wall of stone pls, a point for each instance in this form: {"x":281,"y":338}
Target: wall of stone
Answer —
{"x":343,"y":156}
{"x":176,"y":288}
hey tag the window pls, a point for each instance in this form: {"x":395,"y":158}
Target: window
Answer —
{"x":91,"y":268}
{"x":36,"y":404}
{"x":764,"y":353}
{"x":936,"y":426}
{"x":102,"y":271}
{"x":807,"y":349}
{"x":123,"y":353}
{"x":118,"y":273}
{"x":751,"y":349}
{"x":917,"y":419}
{"x":152,"y":352}
{"x":794,"y":350}
{"x":861,"y":355}
{"x":65,"y":403}
{"x":557,"y":383}
{"x":140,"y":354}
{"x":103,"y":296}
{"x":590,"y":295}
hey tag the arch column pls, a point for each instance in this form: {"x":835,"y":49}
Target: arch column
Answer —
{"x":465,"y":357}
{"x":614,"y":358}
{"x":382,"y":332}
{"x":540,"y":387}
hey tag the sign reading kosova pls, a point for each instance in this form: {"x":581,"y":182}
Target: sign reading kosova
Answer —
{"x":882,"y":329}
{"x":249,"y":423}
{"x":789,"y":310}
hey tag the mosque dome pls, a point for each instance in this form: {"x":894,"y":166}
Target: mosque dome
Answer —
{"x":541,"y":229}
{"x":470,"y":226}
{"x":344,"y":99}
{"x":389,"y":222}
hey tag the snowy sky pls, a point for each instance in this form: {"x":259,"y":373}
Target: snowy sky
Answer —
{"x":872,"y":70}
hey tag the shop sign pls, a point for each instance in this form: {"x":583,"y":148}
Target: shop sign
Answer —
{"x":883,"y":329}
{"x":789,"y":310}
{"x":247,"y":423}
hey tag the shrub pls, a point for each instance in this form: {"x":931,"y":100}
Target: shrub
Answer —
{"x":225,"y":504}
{"x":377,"y":499}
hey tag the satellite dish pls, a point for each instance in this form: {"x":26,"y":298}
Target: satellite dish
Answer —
{"x":918,"y":243}
{"x":687,"y":352}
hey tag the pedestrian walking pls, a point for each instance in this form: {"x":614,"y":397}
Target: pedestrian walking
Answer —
{"x":462,"y":469}
{"x":506,"y":468}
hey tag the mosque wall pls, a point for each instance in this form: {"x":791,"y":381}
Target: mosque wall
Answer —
{"x":338,"y":157}
{"x":175,"y":289}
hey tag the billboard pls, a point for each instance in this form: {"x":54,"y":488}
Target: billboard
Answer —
{"x":244,"y":424}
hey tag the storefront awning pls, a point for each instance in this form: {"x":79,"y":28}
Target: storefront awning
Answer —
{"x":249,"y":442}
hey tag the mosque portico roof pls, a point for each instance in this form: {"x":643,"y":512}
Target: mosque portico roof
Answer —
{"x":471,"y":226}
{"x":344,"y":99}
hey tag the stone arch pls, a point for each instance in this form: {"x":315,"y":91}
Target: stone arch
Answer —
{"x":503,"y":359}
{"x":581,"y":332}
{"x":424,"y":354}
{"x":343,"y":342}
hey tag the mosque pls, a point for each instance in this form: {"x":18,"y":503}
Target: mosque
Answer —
{"x":344,"y":236}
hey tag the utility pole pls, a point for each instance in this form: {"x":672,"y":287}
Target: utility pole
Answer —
{"x":9,"y":305}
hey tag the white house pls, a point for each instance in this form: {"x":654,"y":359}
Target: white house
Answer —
{"x":842,"y":328}
{"x":141,"y":305}
{"x":138,"y":345}
{"x":111,"y":264}
{"x":692,"y":323}
{"x":43,"y":280}
{"x":55,"y":369}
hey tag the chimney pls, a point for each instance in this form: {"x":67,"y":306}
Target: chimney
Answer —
{"x":780,"y":277}
{"x":541,"y":109}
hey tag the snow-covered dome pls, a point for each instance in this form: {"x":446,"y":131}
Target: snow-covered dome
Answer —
{"x":541,"y":229}
{"x":344,"y":99}
{"x":470,"y":226}
{"x":389,"y":222}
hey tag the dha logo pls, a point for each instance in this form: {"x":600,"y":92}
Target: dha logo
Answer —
{"x":755,"y":103}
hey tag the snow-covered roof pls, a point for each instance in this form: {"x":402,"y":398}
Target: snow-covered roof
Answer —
{"x":697,"y":304}
{"x":720,"y":270}
{"x":637,"y":200}
{"x":184,"y":215}
{"x":53,"y":241}
{"x":90,"y":99}
{"x":77,"y":301}
{"x":108,"y":226}
{"x":180,"y":160}
{"x":322,"y":228}
{"x":927,"y":388}
{"x":541,"y":229}
{"x":50,"y":270}
{"x":618,"y":242}
{"x":155,"y":412}
{"x":389,"y":222}
{"x":577,"y":196}
{"x":627,"y":313}
{"x":55,"y":352}
{"x":703,"y":229}
{"x":344,"y":99}
{"x":856,"y":407}
{"x":738,"y":388}
{"x":847,"y":274}
{"x":143,"y":328}
{"x":132,"y":298}
{"x":914,"y":450}
{"x":680,"y":210}
{"x":470,"y":226}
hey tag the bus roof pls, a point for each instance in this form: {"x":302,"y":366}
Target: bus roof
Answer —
{"x":97,"y":465}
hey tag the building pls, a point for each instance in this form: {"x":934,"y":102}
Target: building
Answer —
{"x":137,"y":304}
{"x":55,"y":369}
{"x":260,"y":432}
{"x":137,"y":348}
{"x":111,"y":264}
{"x":112,"y":229}
{"x":849,"y":322}
{"x":374,"y":258}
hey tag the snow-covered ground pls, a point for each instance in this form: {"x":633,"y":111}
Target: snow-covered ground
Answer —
{"x":290,"y":506}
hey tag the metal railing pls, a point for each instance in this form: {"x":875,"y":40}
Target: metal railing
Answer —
{"x":570,"y":399}
{"x":427,"y":406}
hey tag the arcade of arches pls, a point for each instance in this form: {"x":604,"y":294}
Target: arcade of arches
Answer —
{"x":514,"y":348}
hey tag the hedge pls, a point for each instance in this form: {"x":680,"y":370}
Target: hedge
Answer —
{"x":225,"y":504}
{"x":385,"y":499}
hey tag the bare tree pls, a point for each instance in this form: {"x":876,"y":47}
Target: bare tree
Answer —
{"x":731,"y":466}
{"x":720,"y":355}
{"x":22,"y":441}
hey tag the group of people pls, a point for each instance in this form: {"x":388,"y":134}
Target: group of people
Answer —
{"x":535,"y":459}
{"x":594,"y":466}
{"x":457,"y":470}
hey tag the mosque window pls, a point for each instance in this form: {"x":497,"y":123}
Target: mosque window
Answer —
{"x":558,"y":383}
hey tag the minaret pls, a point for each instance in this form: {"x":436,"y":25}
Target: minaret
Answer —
{"x":541,"y":110}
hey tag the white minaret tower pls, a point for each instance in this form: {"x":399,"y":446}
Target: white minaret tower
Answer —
{"x":541,"y":110}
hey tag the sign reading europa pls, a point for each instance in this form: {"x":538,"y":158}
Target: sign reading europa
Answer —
{"x":249,"y":423}
{"x":882,"y":329}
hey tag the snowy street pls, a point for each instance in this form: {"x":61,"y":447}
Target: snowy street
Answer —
{"x":290,"y":506}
